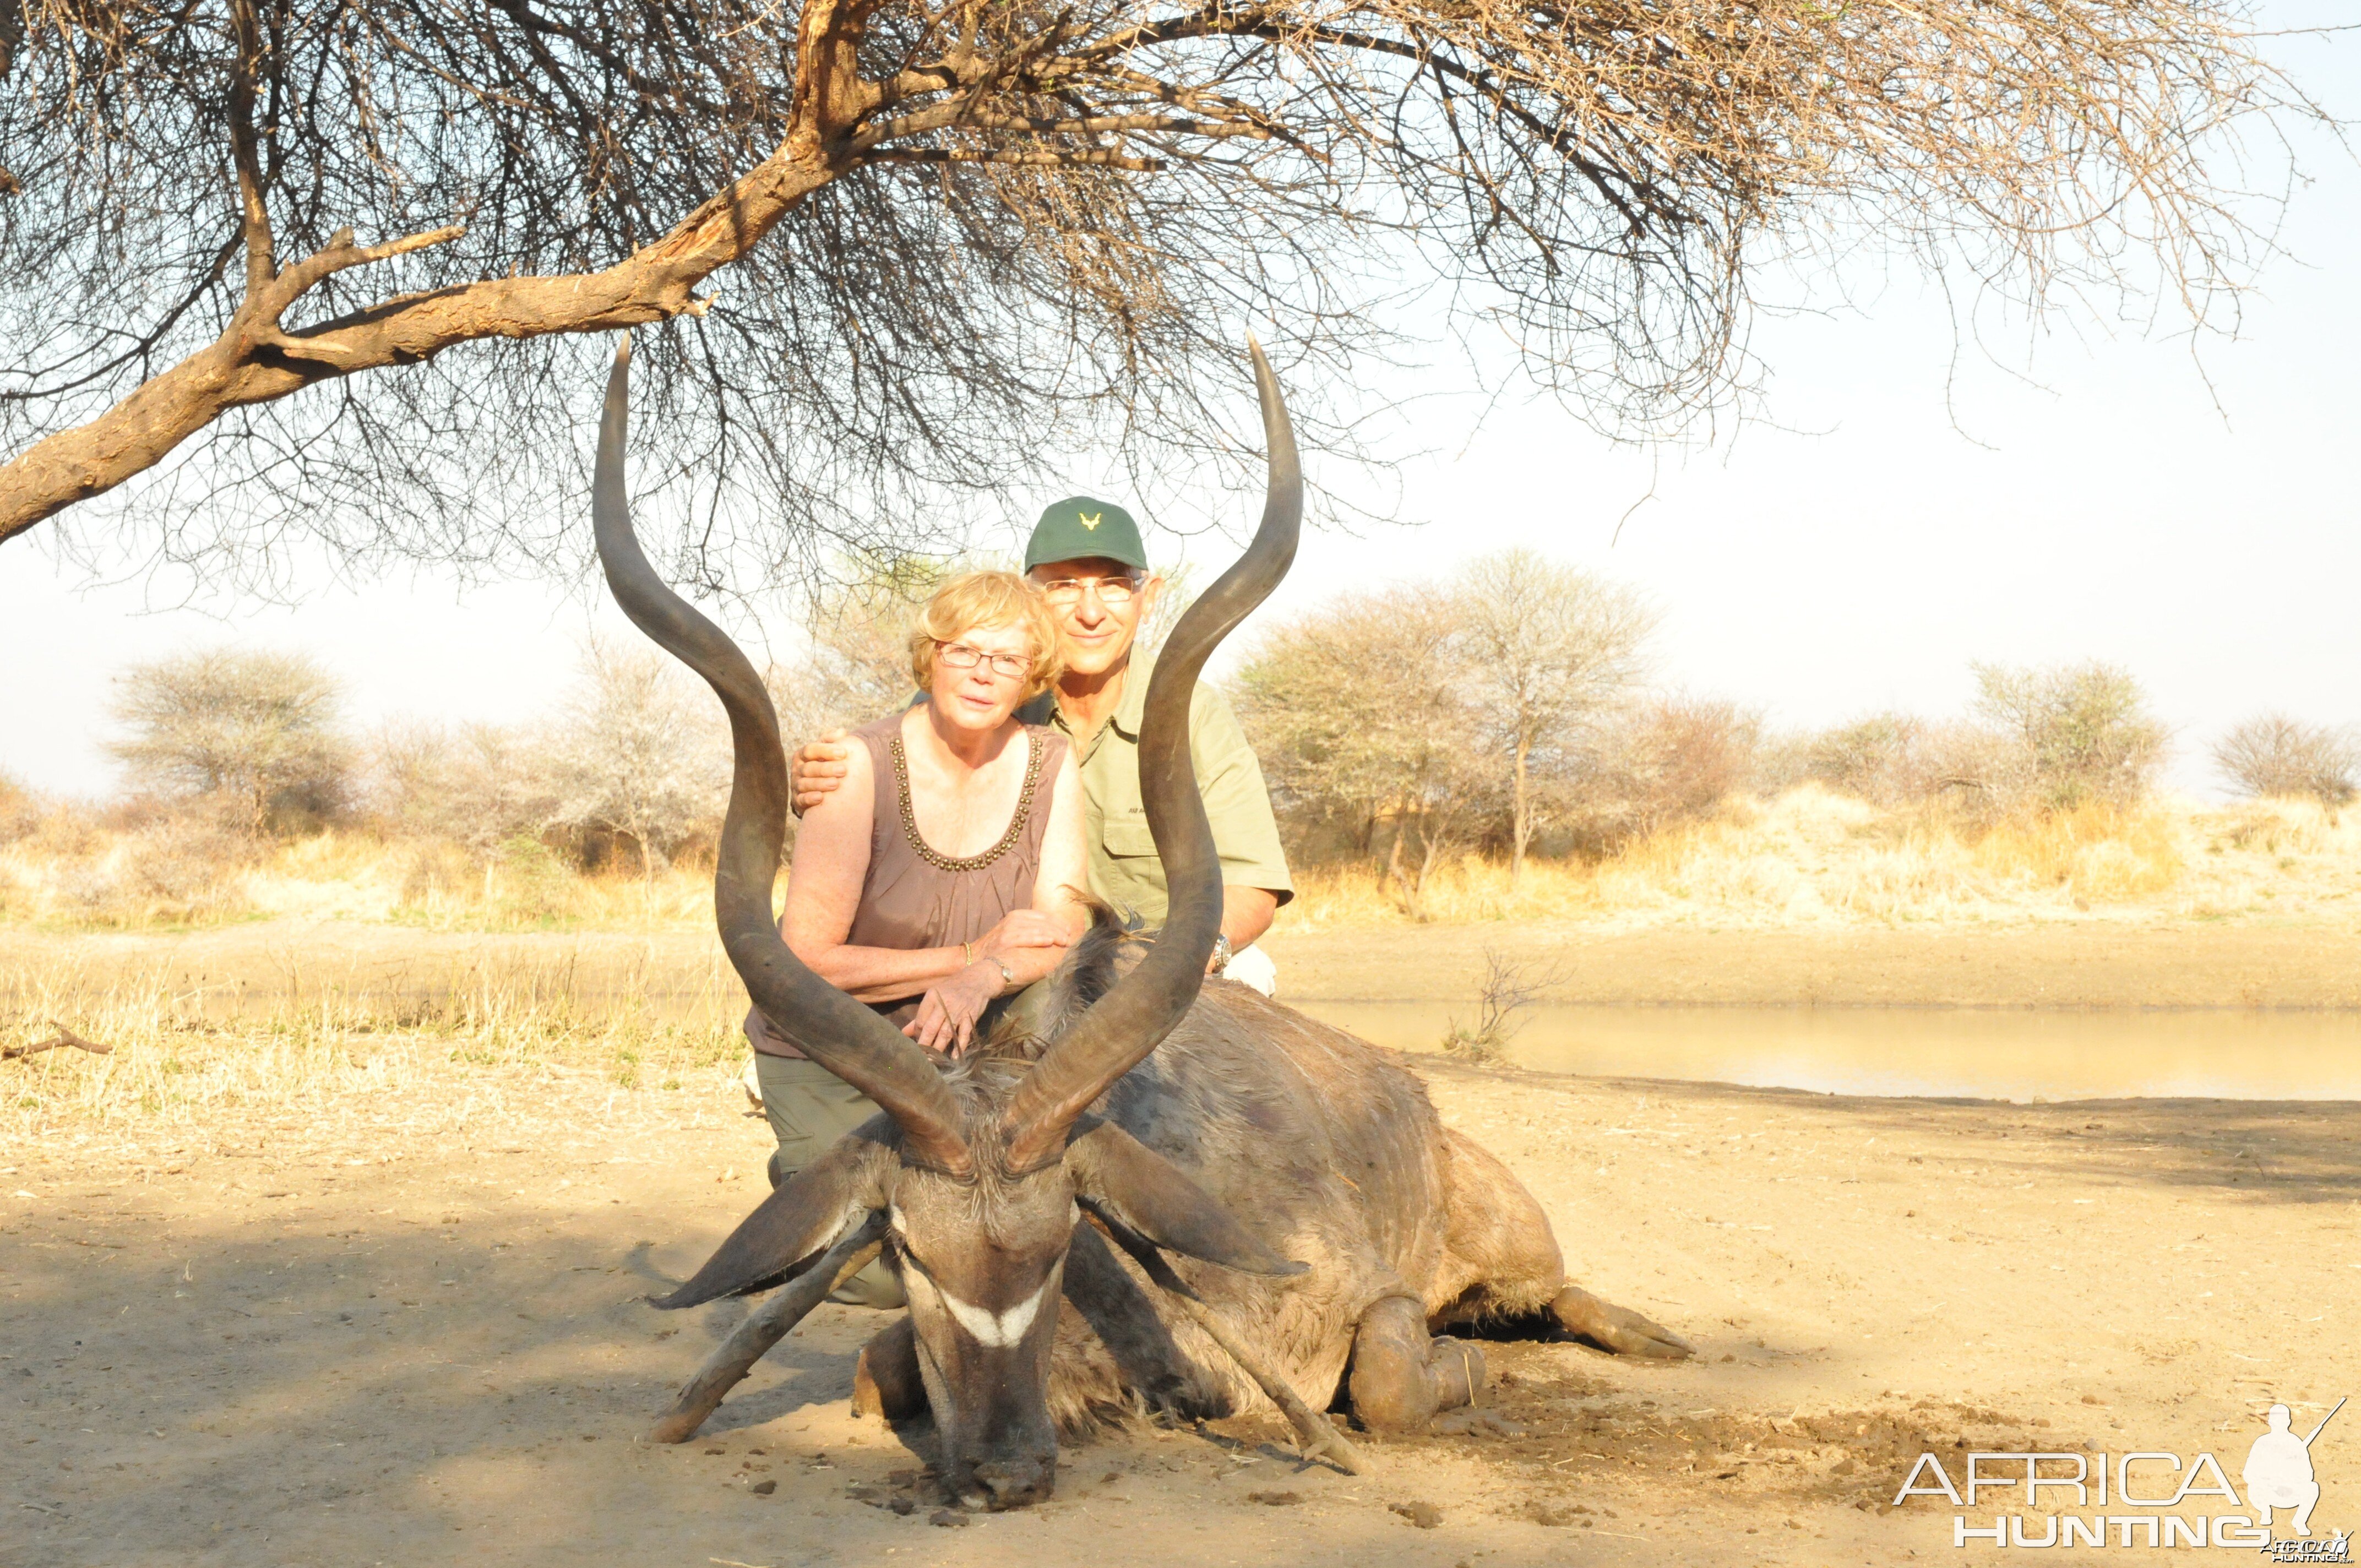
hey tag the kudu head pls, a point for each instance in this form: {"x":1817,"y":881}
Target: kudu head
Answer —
{"x":982,"y":1171}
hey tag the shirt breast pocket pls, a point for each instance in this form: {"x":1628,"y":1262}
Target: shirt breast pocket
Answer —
{"x":1127,"y":837}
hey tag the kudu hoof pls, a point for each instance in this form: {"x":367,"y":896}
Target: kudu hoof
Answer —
{"x":1617,"y":1329}
{"x":1458,"y":1368}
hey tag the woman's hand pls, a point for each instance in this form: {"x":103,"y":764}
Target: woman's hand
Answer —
{"x":947,"y":1013}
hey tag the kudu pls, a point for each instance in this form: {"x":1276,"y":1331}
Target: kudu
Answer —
{"x":1028,"y":1195}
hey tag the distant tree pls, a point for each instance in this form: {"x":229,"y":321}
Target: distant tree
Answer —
{"x":1178,"y":591}
{"x":483,"y":785}
{"x":2082,"y":732}
{"x":856,"y":662}
{"x":1550,"y":653}
{"x":1672,"y":758}
{"x":258,"y":732}
{"x":639,"y":752}
{"x":2275,"y":755}
{"x":1362,"y":712}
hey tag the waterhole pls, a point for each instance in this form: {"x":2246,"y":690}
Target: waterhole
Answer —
{"x":1995,"y":1054}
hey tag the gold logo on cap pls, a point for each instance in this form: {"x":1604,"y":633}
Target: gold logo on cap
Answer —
{"x":1091,"y":522}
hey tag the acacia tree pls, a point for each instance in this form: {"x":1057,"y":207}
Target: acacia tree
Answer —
{"x":956,"y":229}
{"x":1551,"y":650}
{"x":259,"y":734}
{"x":1362,"y":712}
{"x":637,"y":755}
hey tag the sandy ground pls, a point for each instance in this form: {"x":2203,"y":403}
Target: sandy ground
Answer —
{"x":272,"y":1343}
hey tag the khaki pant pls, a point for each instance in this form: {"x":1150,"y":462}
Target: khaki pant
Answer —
{"x":809,"y":1108}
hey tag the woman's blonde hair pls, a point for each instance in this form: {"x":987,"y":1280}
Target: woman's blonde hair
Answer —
{"x":973,"y":600}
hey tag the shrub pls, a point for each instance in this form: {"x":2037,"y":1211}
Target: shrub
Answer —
{"x":1882,"y":758}
{"x":2080,"y":733}
{"x":256,"y":734}
{"x":2274,"y":755}
{"x":1673,"y":758}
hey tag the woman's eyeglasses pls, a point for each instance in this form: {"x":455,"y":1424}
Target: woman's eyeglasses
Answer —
{"x":1111,"y":590}
{"x":959,"y":656}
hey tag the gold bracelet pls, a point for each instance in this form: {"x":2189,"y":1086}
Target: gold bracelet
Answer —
{"x":967,"y":955}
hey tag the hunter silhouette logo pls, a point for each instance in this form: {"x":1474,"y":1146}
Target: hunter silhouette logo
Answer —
{"x":2278,"y":1470}
{"x":1091,"y":521}
{"x":2132,"y":1497}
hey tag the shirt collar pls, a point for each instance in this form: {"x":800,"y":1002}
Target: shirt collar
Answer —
{"x":1133,"y":709}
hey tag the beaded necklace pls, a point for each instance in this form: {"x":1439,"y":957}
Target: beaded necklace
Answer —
{"x":935,"y":857}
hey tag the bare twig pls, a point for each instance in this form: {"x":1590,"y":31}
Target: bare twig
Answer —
{"x":65,"y":1036}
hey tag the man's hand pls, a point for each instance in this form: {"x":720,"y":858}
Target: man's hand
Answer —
{"x":1023,"y":928}
{"x":947,"y":1013}
{"x":819,"y":770}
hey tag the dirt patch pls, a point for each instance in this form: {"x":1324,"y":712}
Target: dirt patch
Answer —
{"x":283,"y":1342}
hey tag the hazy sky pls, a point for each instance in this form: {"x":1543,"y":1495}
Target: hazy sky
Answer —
{"x":1899,"y":519}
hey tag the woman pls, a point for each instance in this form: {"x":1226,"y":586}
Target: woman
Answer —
{"x":949,"y":868}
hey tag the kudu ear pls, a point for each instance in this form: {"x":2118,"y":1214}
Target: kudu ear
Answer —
{"x":796,"y":1223}
{"x":1156,"y":1197}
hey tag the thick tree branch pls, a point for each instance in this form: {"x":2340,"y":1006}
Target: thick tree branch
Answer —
{"x":255,"y":361}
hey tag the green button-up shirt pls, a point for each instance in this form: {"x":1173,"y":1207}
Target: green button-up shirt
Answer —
{"x":1125,"y":871}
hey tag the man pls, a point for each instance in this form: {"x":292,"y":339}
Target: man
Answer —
{"x":1087,"y":557}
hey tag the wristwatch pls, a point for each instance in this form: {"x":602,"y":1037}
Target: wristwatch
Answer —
{"x":1222,"y":953}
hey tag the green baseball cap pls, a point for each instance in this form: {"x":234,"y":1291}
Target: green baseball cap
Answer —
{"x":1081,"y":527}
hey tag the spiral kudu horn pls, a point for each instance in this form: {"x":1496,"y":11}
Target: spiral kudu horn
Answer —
{"x":1135,"y":1016}
{"x":826,"y":1024}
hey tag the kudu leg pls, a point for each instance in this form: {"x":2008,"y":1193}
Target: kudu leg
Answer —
{"x":1401,"y":1377}
{"x":1315,"y":1435}
{"x":887,"y":1382}
{"x":765,"y":1326}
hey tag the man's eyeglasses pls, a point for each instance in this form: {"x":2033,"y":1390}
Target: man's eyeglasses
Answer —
{"x":1118,"y":590}
{"x":1008,"y":666}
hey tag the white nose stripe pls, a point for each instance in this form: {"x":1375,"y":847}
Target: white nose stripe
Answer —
{"x":997,"y":1330}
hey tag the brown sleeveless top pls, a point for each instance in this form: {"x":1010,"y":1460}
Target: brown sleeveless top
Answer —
{"x":915,"y":896}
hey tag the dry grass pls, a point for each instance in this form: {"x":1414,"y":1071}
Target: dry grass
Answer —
{"x":306,"y":1051}
{"x":1808,"y":857}
{"x":168,"y":874}
{"x":1813,"y":858}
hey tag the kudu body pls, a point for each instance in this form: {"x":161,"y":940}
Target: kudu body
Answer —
{"x":1083,"y":1227}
